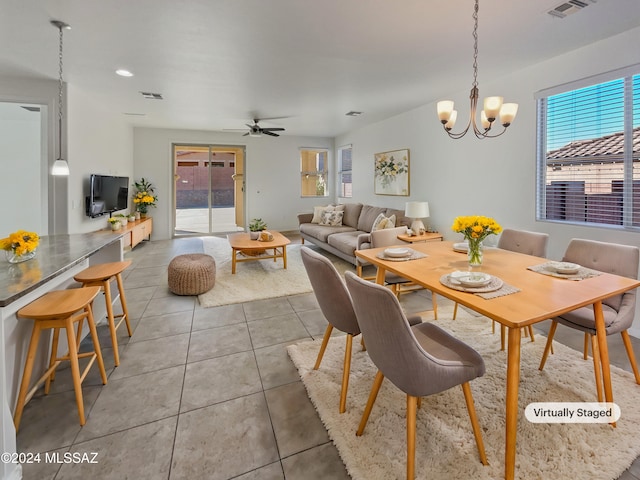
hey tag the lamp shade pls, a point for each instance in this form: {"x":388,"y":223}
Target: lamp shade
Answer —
{"x":60,"y":168}
{"x":416,"y":209}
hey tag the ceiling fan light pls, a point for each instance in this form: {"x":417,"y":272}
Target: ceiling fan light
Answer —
{"x":255,"y":134}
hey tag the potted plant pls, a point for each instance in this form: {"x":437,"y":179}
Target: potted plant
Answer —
{"x":122,"y":218}
{"x":144,"y":196}
{"x":256,"y":225}
{"x":115,"y":223}
{"x":132,"y":217}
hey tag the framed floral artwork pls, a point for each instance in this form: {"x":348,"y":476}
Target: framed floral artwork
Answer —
{"x":392,"y":173}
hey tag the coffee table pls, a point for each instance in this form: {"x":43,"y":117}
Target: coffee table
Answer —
{"x":246,"y":250}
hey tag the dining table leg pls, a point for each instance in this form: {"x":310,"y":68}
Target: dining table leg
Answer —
{"x":601,"y":335}
{"x":380,"y":274}
{"x":513,"y":383}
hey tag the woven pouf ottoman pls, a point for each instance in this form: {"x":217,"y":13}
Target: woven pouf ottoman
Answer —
{"x":192,"y":274}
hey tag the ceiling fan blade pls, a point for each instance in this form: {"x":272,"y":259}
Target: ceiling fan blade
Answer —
{"x":272,"y":129}
{"x":245,"y":134}
{"x":267,"y":132}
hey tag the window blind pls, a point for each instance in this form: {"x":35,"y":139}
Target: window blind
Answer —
{"x":588,"y":165}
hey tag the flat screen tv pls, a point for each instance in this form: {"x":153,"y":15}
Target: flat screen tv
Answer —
{"x":106,"y":194}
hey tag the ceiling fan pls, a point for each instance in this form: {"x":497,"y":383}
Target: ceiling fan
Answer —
{"x":256,"y":130}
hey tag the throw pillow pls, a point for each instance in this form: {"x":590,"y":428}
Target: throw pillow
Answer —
{"x":382,"y":222}
{"x":332,"y":218}
{"x":318,"y":211}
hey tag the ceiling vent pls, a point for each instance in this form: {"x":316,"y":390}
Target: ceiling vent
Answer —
{"x":152,"y":96}
{"x":569,"y":7}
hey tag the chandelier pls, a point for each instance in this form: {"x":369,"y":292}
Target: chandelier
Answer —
{"x":60,"y":166}
{"x":493,"y":106}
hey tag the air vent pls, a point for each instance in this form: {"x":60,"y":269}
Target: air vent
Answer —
{"x":152,"y":96}
{"x":30,"y":108}
{"x":570,"y":7}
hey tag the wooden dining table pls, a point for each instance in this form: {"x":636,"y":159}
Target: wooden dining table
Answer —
{"x":539,"y":298}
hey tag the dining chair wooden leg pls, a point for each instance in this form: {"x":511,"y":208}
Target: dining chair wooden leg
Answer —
{"x":377,"y":382}
{"x":597,"y":367}
{"x":364,"y":347}
{"x":586,"y":346}
{"x":411,"y":436}
{"x":345,"y":373}
{"x":359,"y":270}
{"x":323,"y":346}
{"x":547,"y":347}
{"x":632,"y":358}
{"x":434,"y":302}
{"x":419,"y":402}
{"x":477,"y":432}
{"x":493,"y":326}
{"x":530,"y":329}
{"x":455,"y":311}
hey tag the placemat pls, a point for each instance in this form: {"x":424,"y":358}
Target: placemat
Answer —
{"x":413,"y":256}
{"x":495,"y":288}
{"x":582,"y":274}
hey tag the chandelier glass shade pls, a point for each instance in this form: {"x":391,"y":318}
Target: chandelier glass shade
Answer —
{"x":493,"y":107}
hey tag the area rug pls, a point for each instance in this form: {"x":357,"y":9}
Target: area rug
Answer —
{"x":259,"y":279}
{"x":445,"y":444}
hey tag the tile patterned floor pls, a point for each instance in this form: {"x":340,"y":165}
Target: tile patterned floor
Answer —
{"x":200,"y":393}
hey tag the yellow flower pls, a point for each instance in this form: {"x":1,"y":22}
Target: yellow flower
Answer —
{"x":476,"y":227}
{"x":21,"y":242}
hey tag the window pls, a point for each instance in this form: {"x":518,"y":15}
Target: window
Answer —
{"x":314,"y":172}
{"x":344,"y":172}
{"x":589,"y":153}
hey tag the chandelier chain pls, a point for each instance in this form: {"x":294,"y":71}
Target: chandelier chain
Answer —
{"x":475,"y":45}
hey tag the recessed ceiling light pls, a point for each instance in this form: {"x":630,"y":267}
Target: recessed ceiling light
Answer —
{"x":353,"y":113}
{"x":124,"y":73}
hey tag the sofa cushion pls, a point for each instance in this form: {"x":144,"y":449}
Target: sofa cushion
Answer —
{"x":351,"y":214}
{"x":319,"y":210}
{"x":346,"y":242}
{"x":322,"y":232}
{"x":332,"y":218}
{"x":401,"y":220}
{"x":368,"y":215}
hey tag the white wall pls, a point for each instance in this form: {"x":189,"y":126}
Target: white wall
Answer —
{"x":494,"y":177}
{"x":98,"y":142}
{"x":272,"y":173}
{"x":21,"y":161}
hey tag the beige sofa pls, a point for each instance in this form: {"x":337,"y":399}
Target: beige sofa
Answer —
{"x":343,"y":240}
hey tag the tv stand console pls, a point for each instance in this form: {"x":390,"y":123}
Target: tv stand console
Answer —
{"x":135,"y":232}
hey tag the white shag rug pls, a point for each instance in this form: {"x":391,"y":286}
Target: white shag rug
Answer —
{"x":257,"y":280}
{"x":446,"y":448}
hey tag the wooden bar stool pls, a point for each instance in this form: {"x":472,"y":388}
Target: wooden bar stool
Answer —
{"x":101,"y":275}
{"x":60,"y":309}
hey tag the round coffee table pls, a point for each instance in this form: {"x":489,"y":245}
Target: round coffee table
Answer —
{"x":242,"y":243}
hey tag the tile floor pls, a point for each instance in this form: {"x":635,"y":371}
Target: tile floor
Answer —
{"x":200,"y":393}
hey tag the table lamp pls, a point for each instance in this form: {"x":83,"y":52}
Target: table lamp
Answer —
{"x":417,"y":211}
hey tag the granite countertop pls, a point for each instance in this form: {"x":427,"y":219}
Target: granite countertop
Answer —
{"x":55,"y":254}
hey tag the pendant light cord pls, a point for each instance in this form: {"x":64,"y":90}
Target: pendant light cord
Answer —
{"x":60,"y":97}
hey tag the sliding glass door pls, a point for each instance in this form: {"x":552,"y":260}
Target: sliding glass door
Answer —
{"x":209,"y":189}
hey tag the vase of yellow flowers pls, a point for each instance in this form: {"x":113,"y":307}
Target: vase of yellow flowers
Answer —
{"x":475,"y":229}
{"x":20,"y":246}
{"x":144,"y":196}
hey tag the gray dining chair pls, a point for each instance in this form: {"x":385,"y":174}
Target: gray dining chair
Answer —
{"x":520,"y":241}
{"x":335,"y":304}
{"x":619,"y":311}
{"x":420,"y":360}
{"x":388,"y":237}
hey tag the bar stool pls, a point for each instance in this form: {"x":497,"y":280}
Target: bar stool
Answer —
{"x":56,"y":310}
{"x":100,"y":275}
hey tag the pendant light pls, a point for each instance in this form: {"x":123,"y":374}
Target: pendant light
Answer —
{"x":60,"y":166}
{"x":493,"y":106}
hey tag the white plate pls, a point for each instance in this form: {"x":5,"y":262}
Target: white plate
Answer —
{"x":566,"y":268}
{"x":471,"y":279}
{"x":397,"y":252}
{"x":462,"y":247}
